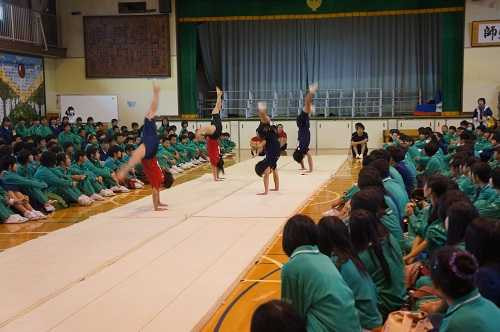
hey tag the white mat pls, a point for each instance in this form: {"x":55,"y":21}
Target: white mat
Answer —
{"x":132,"y":269}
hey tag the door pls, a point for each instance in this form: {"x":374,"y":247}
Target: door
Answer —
{"x":247,"y":131}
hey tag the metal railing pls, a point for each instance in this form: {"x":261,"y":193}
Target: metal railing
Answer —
{"x":345,"y":103}
{"x":26,"y":25}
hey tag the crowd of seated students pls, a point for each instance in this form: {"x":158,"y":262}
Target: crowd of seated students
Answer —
{"x":419,"y":232}
{"x":47,"y":165}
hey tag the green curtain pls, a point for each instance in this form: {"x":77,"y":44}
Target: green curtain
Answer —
{"x":188,"y":46}
{"x":452,"y":43}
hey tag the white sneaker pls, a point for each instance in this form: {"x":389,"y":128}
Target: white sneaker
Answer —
{"x":84,"y":200}
{"x":31,"y":215}
{"x":40,"y":214}
{"x":49,"y":208}
{"x":138,"y":185}
{"x":97,"y":197}
{"x":178,"y":169}
{"x":124,"y":189}
{"x":15,"y":219}
{"x":172,"y":170}
{"x":195,"y":162}
{"x":107,"y":193}
{"x":184,"y":166}
{"x":116,"y":189}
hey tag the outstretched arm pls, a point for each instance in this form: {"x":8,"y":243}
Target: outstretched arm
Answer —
{"x":313,"y":88}
{"x":154,"y":103}
{"x":218,"y":104}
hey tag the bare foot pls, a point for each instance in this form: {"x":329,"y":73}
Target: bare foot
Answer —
{"x":261,"y":194}
{"x":161,"y":209}
{"x":162,"y":204}
{"x":275,"y":189}
{"x":219,"y":180}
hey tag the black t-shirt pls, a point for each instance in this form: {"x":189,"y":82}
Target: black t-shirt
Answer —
{"x":356,"y":138}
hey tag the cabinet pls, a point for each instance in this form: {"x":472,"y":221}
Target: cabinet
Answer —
{"x":333,"y":134}
{"x":374,"y":128}
{"x":415,"y":123}
{"x":456,"y":122}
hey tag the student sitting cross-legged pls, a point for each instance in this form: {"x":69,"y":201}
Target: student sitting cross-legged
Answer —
{"x":97,"y":182}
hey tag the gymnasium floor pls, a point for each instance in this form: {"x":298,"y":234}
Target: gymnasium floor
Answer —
{"x":114,"y":271}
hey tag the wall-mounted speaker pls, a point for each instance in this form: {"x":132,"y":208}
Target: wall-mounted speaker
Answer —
{"x":164,"y":6}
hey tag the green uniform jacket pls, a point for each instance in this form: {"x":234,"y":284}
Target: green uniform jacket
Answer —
{"x":365,"y":294}
{"x":5,"y":211}
{"x":311,"y":283}
{"x":35,"y":189}
{"x":391,"y":293}
{"x":82,"y":170}
{"x":489,"y":208}
{"x":398,"y":194}
{"x":113,"y":164}
{"x":436,"y":236}
{"x":435,"y":165}
{"x":89,"y":129}
{"x":466,"y":185}
{"x":21,"y":130}
{"x":471,"y":313}
{"x":58,"y":183}
{"x":39,"y":130}
{"x":393,"y":225}
{"x":69,"y":137}
{"x":485,"y":193}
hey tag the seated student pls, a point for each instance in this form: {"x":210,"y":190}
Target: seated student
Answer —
{"x":412,"y":152}
{"x":35,"y":190}
{"x":227,"y":145}
{"x":66,"y":136}
{"x":423,"y":137}
{"x":457,"y":214}
{"x":481,"y":240}
{"x":115,"y":162}
{"x":382,"y":258}
{"x":282,"y":137}
{"x":179,"y":153}
{"x":77,"y":125}
{"x":59,"y":183}
{"x":189,"y":149}
{"x":276,"y":316}
{"x":11,"y":182}
{"x":359,"y":141}
{"x":44,"y":130}
{"x":453,"y":272}
{"x":463,"y":179}
{"x":392,"y":187}
{"x":481,"y":174}
{"x":372,"y":200}
{"x":54,"y":126}
{"x":91,"y":141}
{"x":163,"y":129}
{"x":428,"y":227}
{"x":257,"y":146}
{"x":89,"y":126}
{"x":7,"y":216}
{"x":312,"y":284}
{"x":111,"y":130}
{"x":83,"y":182}
{"x":435,"y":164}
{"x":184,"y":128}
{"x":103,"y":149}
{"x":97,"y":182}
{"x":69,"y":149}
{"x":201,"y":144}
{"x":334,"y":242}
{"x":398,"y":162}
{"x":490,"y":206}
{"x":166,"y":158}
{"x":20,"y":129}
{"x":135,"y":129}
{"x":384,"y":154}
{"x":93,"y":164}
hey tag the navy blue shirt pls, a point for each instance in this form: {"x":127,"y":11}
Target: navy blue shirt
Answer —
{"x":150,"y":138}
{"x":304,"y":132}
{"x":406,"y":175}
{"x":6,"y":135}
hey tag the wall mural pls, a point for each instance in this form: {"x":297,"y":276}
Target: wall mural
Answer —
{"x":22,"y":86}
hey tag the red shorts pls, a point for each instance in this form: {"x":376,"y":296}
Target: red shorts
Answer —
{"x":153,"y":172}
{"x":213,"y":151}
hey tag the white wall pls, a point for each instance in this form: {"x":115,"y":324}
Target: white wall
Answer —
{"x":481,"y":69}
{"x":67,"y":76}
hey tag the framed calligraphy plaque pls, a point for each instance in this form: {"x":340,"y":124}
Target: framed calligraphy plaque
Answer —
{"x":485,"y":33}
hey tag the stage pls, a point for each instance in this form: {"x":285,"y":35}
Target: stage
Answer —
{"x":133,"y":269}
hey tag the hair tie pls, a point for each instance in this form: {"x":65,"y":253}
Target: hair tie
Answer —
{"x":453,"y":266}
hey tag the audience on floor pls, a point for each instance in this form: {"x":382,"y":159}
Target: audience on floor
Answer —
{"x":48,"y":165}
{"x":415,"y":242}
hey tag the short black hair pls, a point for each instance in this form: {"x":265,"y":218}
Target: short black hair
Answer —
{"x":482,"y":238}
{"x":91,"y":151}
{"x":482,"y":99}
{"x":114,"y":150}
{"x":370,"y":199}
{"x":438,"y":184}
{"x":277,"y":316}
{"x":61,"y":157}
{"x":369,"y":177}
{"x":23,"y":156}
{"x":300,"y":230}
{"x":453,"y":271}
{"x":482,"y":170}
{"x":431,"y":148}
{"x":79,"y":154}
{"x":397,"y":153}
{"x":359,"y":125}
{"x":460,"y":214}
{"x":184,"y":122}
{"x":171,"y":136}
{"x":48,"y":159}
{"x":381,"y":154}
{"x":6,"y":162}
{"x":382,"y":166}
{"x":495,"y":177}
{"x":452,"y":128}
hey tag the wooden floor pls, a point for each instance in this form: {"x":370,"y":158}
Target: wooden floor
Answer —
{"x":262,"y":282}
{"x":12,"y":235}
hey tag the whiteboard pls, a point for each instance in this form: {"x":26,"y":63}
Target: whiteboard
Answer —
{"x":101,"y":108}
